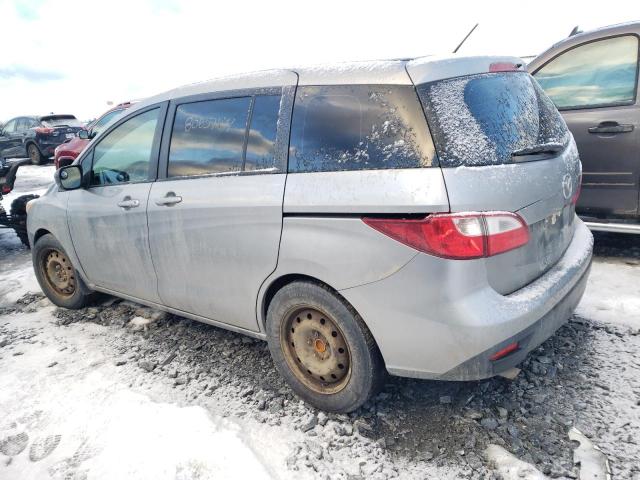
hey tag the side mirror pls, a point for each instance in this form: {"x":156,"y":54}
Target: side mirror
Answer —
{"x":83,"y":134}
{"x":70,"y":177}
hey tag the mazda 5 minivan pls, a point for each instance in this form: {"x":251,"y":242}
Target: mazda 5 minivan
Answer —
{"x":413,"y":217}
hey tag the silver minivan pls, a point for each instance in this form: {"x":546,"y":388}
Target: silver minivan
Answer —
{"x":414,"y":217}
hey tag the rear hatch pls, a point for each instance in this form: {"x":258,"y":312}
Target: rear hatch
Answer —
{"x":64,"y":127}
{"x":503,"y":146}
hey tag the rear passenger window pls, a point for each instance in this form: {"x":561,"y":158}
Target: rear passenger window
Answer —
{"x":358,"y":127}
{"x":208,"y":137}
{"x":261,"y":145}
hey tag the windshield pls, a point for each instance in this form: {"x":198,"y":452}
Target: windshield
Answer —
{"x":106,"y":118}
{"x":60,"y":120}
{"x":491,"y":119}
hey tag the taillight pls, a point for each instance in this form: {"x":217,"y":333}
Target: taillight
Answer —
{"x":576,"y":195}
{"x":458,"y":235}
{"x":44,"y":130}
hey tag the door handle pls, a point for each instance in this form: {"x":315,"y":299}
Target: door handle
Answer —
{"x":168,"y":200}
{"x":611,"y":127}
{"x":128,"y":202}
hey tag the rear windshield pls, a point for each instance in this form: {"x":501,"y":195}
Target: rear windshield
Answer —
{"x":484,"y":119}
{"x":60,"y":120}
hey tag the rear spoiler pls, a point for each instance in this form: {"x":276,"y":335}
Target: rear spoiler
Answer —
{"x":7,"y":181}
{"x":431,"y":69}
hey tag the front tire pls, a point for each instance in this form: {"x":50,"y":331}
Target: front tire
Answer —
{"x":322,"y":348}
{"x":57,"y":277}
{"x":34,"y":154}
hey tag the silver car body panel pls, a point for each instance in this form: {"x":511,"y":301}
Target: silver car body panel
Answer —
{"x":48,"y":214}
{"x":412,"y":190}
{"x":213,"y":250}
{"x":540,"y":192}
{"x":452,"y":313}
{"x":111,"y":242}
{"x":340,"y":251}
{"x":385,"y":72}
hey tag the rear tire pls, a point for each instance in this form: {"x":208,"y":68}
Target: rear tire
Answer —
{"x":34,"y":154}
{"x":322,"y":348}
{"x":19,"y":217}
{"x":57,"y":277}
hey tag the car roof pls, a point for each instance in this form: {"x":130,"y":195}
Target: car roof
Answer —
{"x":377,"y":72}
{"x":615,"y":29}
{"x":583,"y":37}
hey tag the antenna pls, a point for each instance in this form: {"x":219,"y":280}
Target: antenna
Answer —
{"x":465,"y":38}
{"x":575,"y":31}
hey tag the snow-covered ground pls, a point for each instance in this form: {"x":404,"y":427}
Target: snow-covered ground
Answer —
{"x":122,"y":391}
{"x":613,"y":293}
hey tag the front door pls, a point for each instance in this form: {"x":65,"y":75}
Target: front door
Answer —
{"x":215,"y":220}
{"x":108,"y":219}
{"x":594,"y":85}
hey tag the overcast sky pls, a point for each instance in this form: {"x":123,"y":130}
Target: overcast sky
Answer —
{"x":74,"y":57}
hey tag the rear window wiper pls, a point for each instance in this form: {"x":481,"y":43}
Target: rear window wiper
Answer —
{"x":540,"y":149}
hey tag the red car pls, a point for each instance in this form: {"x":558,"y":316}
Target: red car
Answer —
{"x":66,"y":153}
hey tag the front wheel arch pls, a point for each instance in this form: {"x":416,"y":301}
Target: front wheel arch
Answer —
{"x":39,"y":233}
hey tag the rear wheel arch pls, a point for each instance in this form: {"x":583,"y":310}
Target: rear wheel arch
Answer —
{"x":284,"y":280}
{"x":30,"y":142}
{"x":275,"y":285}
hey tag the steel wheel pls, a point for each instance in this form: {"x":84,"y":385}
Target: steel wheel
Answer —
{"x":316,"y":350}
{"x":58,"y":272}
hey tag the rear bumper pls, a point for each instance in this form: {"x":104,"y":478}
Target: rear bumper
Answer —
{"x":441,"y":319}
{"x":528,"y":339}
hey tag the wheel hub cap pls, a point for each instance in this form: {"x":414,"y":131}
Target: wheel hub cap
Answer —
{"x":316,"y":350}
{"x":59,"y":273}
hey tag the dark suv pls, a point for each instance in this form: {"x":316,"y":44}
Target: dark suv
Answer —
{"x":36,"y":137}
{"x":593,"y":80}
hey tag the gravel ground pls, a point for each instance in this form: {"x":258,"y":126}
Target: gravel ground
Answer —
{"x":586,"y":376}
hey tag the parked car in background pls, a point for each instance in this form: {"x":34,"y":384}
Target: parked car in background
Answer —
{"x":352,"y":233}
{"x":36,"y":137}
{"x":66,"y":153}
{"x":592,"y":78}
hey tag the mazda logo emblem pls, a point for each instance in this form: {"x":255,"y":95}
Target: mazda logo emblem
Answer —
{"x":567,"y":186}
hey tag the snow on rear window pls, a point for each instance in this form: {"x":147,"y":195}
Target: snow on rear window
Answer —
{"x":483,"y":119}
